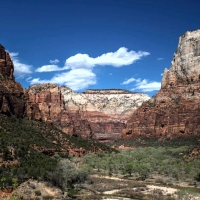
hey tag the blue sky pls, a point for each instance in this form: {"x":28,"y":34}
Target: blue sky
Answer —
{"x":95,"y":44}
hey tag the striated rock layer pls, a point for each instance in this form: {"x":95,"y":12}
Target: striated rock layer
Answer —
{"x":99,"y":114}
{"x":11,"y":92}
{"x":45,"y":102}
{"x":175,"y":109}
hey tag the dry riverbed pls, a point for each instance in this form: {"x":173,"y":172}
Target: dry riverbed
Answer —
{"x":116,"y":188}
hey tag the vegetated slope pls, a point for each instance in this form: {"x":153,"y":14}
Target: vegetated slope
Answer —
{"x":192,"y":141}
{"x":27,"y":146}
{"x":175,"y":110}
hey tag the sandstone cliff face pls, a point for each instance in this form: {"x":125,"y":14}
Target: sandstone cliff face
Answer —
{"x":100,"y":114}
{"x":105,"y":110}
{"x":175,"y":109}
{"x":45,"y":102}
{"x":11,"y":92}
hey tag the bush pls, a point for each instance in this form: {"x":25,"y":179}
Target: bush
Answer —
{"x":67,"y":174}
{"x":38,"y":193}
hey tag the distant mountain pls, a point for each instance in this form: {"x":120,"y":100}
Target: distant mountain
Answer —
{"x":98,"y":114}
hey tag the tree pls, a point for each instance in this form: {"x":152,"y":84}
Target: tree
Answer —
{"x":68,"y":174}
{"x":3,"y":180}
{"x":143,"y":170}
{"x":128,"y":169}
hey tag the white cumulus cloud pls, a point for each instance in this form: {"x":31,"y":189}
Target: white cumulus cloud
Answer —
{"x":80,"y":75}
{"x":119,"y":58}
{"x":76,"y":79}
{"x":54,"y":61}
{"x":50,"y":68}
{"x":21,"y":69}
{"x":130,"y":80}
{"x":146,"y":86}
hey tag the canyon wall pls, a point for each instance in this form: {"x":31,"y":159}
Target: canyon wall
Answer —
{"x":11,"y":92}
{"x":45,"y":102}
{"x":98,"y":114}
{"x":175,"y":109}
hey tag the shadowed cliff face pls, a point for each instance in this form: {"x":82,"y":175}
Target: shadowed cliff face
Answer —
{"x":11,"y":92}
{"x":99,"y":114}
{"x":175,"y":109}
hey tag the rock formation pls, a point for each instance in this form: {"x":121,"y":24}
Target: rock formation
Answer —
{"x":11,"y":92}
{"x":45,"y":102}
{"x":175,"y":109}
{"x":99,"y":114}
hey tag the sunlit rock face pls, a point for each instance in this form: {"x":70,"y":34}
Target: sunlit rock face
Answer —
{"x":185,"y":67}
{"x":175,"y":109}
{"x":45,"y":102}
{"x":99,"y":114}
{"x":11,"y":92}
{"x":106,"y":110}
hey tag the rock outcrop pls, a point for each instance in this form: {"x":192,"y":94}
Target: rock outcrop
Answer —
{"x":98,"y":114}
{"x":11,"y":92}
{"x":45,"y":102}
{"x":175,"y":109}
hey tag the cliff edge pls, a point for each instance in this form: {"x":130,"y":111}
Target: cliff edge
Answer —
{"x":175,"y":109}
{"x":11,"y":92}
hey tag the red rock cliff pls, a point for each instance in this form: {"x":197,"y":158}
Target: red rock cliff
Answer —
{"x":11,"y":92}
{"x":100,"y":114}
{"x":175,"y":109}
{"x":45,"y":102}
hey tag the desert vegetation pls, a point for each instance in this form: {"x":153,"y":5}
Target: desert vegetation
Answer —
{"x":130,"y":173}
{"x":33,"y":149}
{"x":143,"y":163}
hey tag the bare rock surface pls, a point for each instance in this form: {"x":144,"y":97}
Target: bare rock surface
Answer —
{"x":175,"y":109}
{"x":45,"y":102}
{"x":6,"y":65}
{"x":99,"y":114}
{"x":11,"y":92}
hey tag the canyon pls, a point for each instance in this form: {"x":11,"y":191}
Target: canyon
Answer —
{"x":175,"y":110}
{"x":107,"y":115}
{"x":97,"y":114}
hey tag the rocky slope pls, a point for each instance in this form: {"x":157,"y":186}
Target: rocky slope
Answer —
{"x":175,"y":109}
{"x":11,"y":92}
{"x":99,"y":114}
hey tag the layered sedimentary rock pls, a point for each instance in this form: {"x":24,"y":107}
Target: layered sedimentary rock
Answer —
{"x":6,"y":65}
{"x":11,"y":92}
{"x":99,"y":114}
{"x":105,"y":110}
{"x":175,"y":109}
{"x":45,"y":102}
